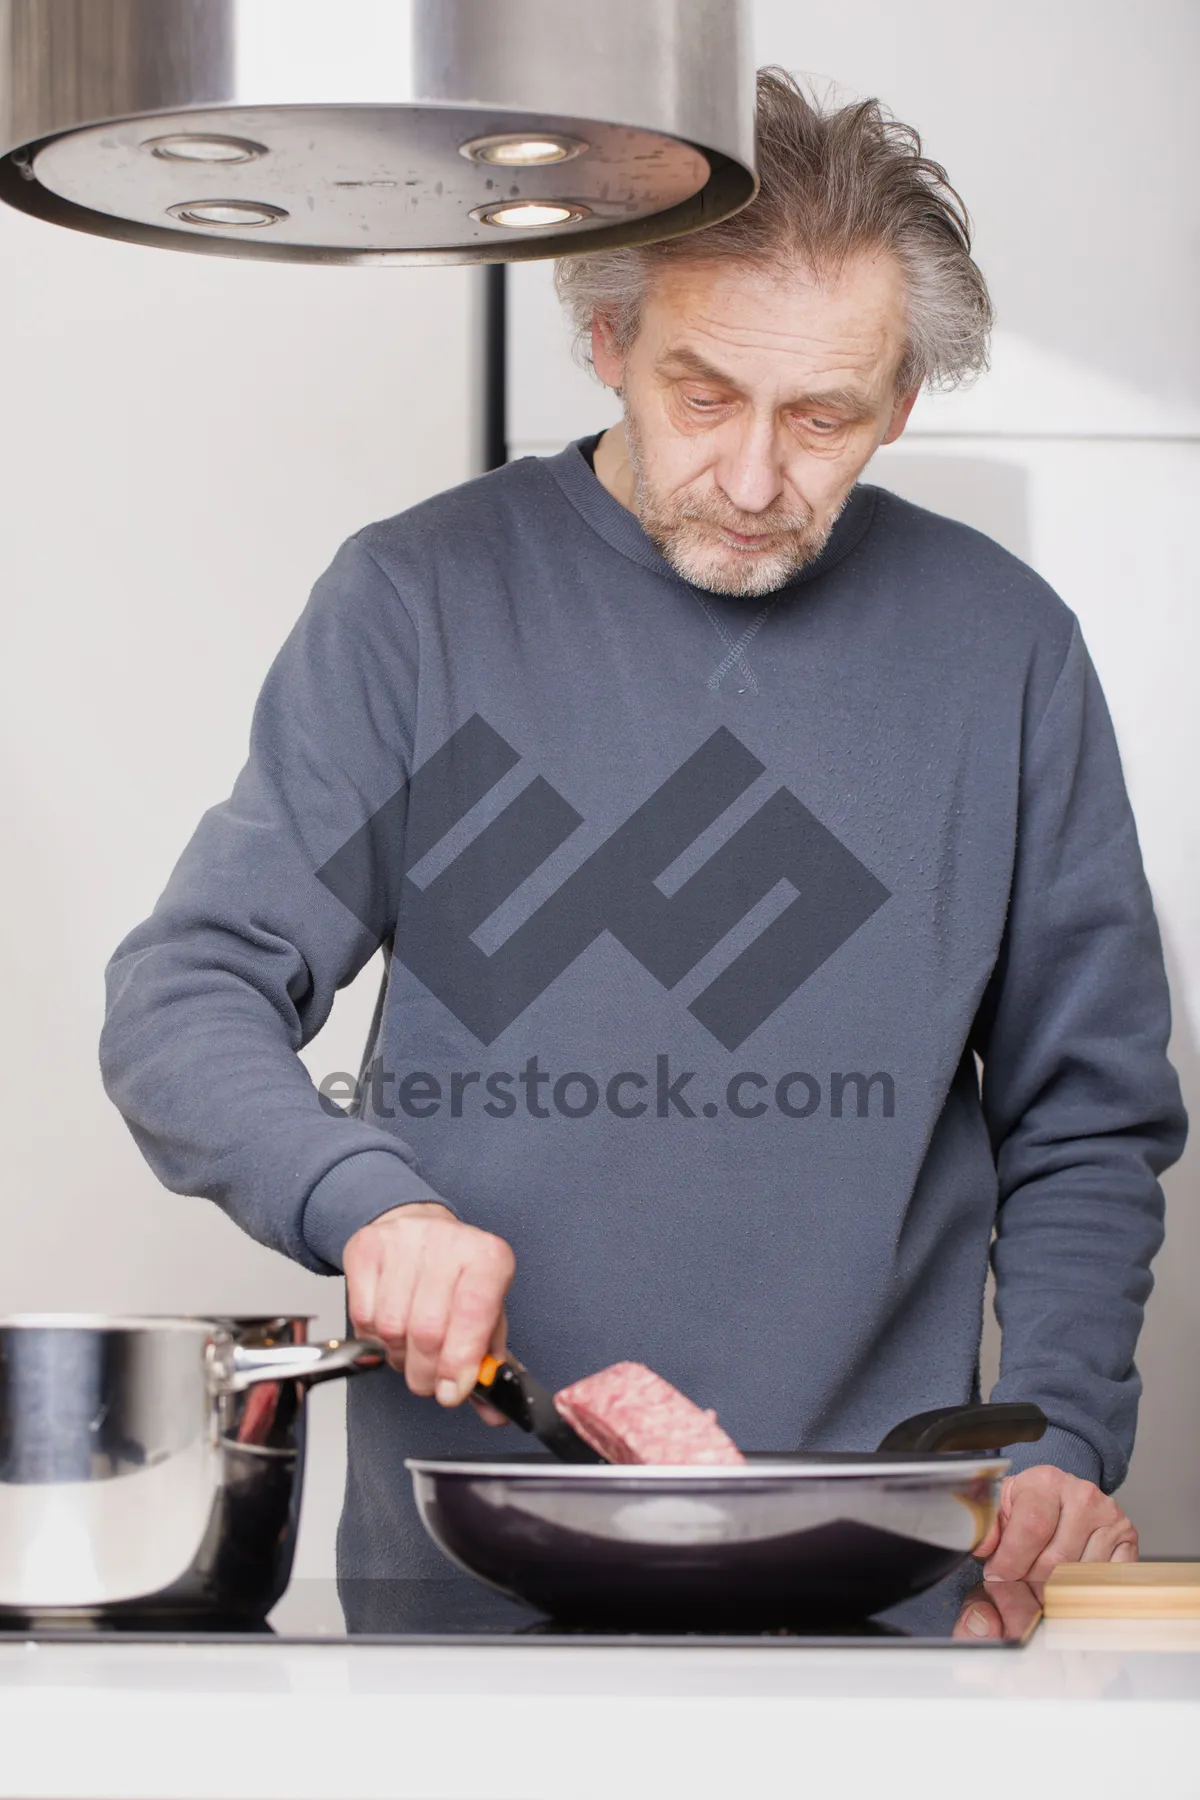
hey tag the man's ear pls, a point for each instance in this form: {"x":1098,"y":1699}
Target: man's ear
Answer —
{"x":606,"y":360}
{"x":900,"y":412}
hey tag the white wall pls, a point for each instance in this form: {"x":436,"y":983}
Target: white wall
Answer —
{"x":1067,"y":130}
{"x":185,"y":442}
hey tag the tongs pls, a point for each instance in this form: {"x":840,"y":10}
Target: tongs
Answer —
{"x":507,"y":1385}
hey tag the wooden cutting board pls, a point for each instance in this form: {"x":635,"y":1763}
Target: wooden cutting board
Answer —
{"x":1141,"y":1590}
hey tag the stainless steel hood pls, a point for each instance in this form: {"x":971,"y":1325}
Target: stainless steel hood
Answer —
{"x":377,"y":131}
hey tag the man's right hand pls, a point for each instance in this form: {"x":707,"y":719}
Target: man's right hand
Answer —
{"x":432,"y":1289}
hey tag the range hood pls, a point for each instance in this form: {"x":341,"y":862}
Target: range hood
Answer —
{"x":377,"y":131}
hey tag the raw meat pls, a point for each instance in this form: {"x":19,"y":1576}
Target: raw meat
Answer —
{"x":631,"y":1415}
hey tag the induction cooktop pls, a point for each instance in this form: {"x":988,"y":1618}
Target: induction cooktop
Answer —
{"x":460,"y":1610}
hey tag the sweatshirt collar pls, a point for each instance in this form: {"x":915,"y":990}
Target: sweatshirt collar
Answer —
{"x":621,"y":528}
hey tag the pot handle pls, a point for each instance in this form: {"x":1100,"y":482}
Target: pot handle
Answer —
{"x":243,"y":1366}
{"x":983,"y":1427}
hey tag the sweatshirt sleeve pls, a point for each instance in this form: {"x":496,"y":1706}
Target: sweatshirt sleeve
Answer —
{"x":1083,"y":1107}
{"x":235,"y":970}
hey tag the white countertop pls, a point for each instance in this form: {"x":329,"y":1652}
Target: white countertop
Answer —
{"x":1097,"y":1709}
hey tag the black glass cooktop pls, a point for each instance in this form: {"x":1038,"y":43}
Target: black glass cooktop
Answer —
{"x":462,"y":1611}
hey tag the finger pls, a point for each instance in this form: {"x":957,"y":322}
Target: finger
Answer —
{"x":991,"y":1538}
{"x":1018,"y":1605}
{"x":390,"y":1302}
{"x":989,"y":1542}
{"x":498,"y":1348}
{"x":978,"y":1619}
{"x":362,"y":1286}
{"x":476,"y":1311}
{"x":428,"y":1320}
{"x":1030,"y":1526}
{"x":1104,"y":1543}
{"x":1085,"y":1511}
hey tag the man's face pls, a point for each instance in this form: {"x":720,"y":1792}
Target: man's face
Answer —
{"x":753,"y":400}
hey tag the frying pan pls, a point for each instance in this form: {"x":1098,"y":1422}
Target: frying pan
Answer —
{"x":782,"y":1540}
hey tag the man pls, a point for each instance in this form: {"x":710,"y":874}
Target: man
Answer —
{"x":717,"y":812}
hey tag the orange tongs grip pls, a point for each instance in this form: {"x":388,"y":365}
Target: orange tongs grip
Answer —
{"x":505,"y":1384}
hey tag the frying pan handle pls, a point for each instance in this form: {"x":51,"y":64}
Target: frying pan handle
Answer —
{"x":981,"y":1427}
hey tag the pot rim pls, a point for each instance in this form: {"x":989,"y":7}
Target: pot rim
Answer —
{"x":94,"y":1321}
{"x":656,"y":1475}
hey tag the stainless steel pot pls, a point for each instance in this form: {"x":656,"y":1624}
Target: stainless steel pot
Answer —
{"x":155,"y":1464}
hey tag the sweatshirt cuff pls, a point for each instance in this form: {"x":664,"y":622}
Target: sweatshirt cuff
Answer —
{"x":1062,"y":1450}
{"x":356,"y":1190}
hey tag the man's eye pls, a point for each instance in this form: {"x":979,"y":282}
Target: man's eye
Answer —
{"x":823,"y":425}
{"x":701,"y":402}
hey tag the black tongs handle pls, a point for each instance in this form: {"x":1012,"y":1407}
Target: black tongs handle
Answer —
{"x":509,"y":1387}
{"x":982,"y":1427}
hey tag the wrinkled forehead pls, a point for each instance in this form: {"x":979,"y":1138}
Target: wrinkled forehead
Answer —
{"x":769,"y":331}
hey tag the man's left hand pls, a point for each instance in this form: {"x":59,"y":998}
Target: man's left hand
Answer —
{"x":1047,"y":1517}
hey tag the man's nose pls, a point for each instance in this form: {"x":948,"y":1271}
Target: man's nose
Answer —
{"x":750,"y":474}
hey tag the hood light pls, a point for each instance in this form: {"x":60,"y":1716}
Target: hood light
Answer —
{"x":531,"y":215}
{"x":196,"y":149}
{"x":227,"y":212}
{"x":516,"y":151}
{"x":114,"y":112}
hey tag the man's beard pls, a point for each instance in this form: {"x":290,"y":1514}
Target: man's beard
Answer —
{"x":683,"y":530}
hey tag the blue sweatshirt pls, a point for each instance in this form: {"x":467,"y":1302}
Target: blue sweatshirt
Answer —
{"x":756,"y":968}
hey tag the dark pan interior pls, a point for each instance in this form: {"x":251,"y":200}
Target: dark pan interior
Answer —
{"x":795,"y":1572}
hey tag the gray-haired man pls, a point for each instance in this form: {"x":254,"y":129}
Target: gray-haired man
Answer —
{"x":716,"y":811}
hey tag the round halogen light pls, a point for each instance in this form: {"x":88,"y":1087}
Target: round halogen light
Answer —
{"x":225,"y":213}
{"x":195,"y":148}
{"x":523,"y":150}
{"x":530,"y":215}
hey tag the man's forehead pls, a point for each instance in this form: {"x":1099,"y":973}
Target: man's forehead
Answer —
{"x":837,"y":375}
{"x":718,"y":322}
{"x":837,"y":389}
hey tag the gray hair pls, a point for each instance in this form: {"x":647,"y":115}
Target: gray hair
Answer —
{"x":834,"y":182}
